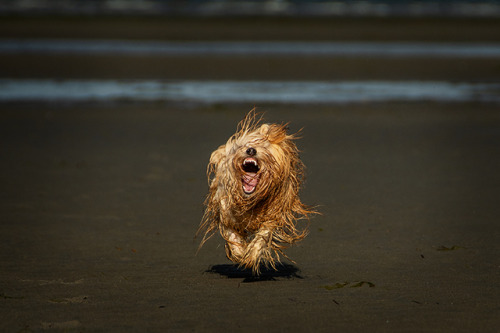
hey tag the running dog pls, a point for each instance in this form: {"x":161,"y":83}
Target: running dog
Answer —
{"x":253,"y":199}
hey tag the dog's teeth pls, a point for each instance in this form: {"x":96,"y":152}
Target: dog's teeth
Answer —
{"x":250,"y":165}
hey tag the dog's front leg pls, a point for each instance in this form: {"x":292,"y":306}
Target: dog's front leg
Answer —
{"x":235,"y":245}
{"x":258,"y":249}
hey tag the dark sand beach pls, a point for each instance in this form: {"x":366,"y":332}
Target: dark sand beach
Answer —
{"x":100,"y":202}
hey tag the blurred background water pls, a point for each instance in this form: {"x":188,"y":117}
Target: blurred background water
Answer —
{"x":250,"y":51}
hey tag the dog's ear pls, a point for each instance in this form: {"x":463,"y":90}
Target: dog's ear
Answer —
{"x":275,"y":133}
{"x":217,"y":155}
{"x":264,"y":129}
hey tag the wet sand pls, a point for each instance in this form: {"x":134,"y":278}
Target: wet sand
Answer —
{"x":100,"y":204}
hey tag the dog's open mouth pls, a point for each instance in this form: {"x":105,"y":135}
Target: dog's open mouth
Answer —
{"x":250,"y":178}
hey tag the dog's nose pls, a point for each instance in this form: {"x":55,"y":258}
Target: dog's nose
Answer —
{"x":251,"y":151}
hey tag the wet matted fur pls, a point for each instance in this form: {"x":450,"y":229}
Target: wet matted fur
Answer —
{"x":254,"y":199}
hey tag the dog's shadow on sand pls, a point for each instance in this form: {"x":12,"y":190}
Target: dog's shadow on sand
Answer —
{"x":232,"y":271}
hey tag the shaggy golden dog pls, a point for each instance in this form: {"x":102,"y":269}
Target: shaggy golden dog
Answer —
{"x":253,"y":199}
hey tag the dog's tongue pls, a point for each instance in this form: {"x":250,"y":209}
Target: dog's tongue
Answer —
{"x":250,"y":181}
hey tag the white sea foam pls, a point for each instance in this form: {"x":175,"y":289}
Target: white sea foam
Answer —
{"x":244,"y":91}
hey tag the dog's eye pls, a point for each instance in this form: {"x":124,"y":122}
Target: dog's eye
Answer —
{"x":251,"y":151}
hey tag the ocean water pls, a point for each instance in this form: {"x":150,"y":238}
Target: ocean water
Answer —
{"x":210,"y":92}
{"x":207,"y":91}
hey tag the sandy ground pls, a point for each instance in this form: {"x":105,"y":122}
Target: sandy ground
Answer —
{"x":100,"y":203}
